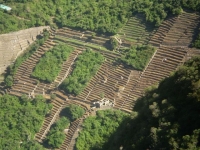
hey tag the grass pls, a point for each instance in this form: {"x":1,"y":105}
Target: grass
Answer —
{"x":78,"y":42}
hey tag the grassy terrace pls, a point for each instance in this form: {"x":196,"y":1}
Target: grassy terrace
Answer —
{"x":137,"y":31}
{"x":78,"y":44}
{"x":81,"y":43}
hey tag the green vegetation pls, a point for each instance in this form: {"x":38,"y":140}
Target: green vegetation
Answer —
{"x":137,"y":30}
{"x":102,"y":16}
{"x":74,"y":112}
{"x":50,"y":64}
{"x":56,"y":135}
{"x":114,"y":43}
{"x":167,"y":117}
{"x":156,"y":11}
{"x":138,"y":57}
{"x":86,"y":66}
{"x":98,"y":129}
{"x":31,"y":145}
{"x":197,"y":42}
{"x":12,"y":69}
{"x":78,"y":42}
{"x":9,"y":23}
{"x":21,"y":118}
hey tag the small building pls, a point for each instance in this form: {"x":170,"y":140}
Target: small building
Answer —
{"x":104,"y":103}
{"x":5,"y":7}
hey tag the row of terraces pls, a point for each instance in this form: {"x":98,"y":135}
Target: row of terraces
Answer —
{"x":116,"y":82}
{"x":60,"y":102}
{"x":161,"y":32}
{"x":136,"y":31}
{"x":58,"y":105}
{"x":183,"y":30}
{"x":13,"y":44}
{"x":165,"y":61}
{"x":84,"y":37}
{"x":23,"y":83}
{"x":177,"y":31}
{"x":72,"y":132}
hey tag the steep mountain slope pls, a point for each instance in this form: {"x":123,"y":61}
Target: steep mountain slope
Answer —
{"x":168,"y":116}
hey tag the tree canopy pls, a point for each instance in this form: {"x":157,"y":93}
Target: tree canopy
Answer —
{"x":137,"y":56}
{"x":167,"y":116}
{"x":56,"y":135}
{"x":50,"y":64}
{"x":196,"y":43}
{"x":102,"y":16}
{"x":85,"y":67}
{"x":21,"y":118}
{"x":98,"y":129}
{"x":73,"y":112}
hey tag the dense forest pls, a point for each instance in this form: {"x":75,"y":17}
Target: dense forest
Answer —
{"x":137,"y":56}
{"x":196,"y":43}
{"x":167,"y":116}
{"x":85,"y":67}
{"x":50,"y":64}
{"x":21,"y":118}
{"x":101,"y":16}
{"x":98,"y":129}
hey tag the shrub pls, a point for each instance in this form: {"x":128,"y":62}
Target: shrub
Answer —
{"x":56,"y":135}
{"x":86,"y":66}
{"x":50,"y":64}
{"x":138,"y":57}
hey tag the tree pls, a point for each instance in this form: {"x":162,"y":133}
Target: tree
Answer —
{"x":9,"y":81}
{"x":86,"y":66}
{"x":75,"y":112}
{"x":56,"y":135}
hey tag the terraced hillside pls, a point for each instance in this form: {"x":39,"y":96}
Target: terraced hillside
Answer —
{"x":137,"y":31}
{"x":60,"y":102}
{"x":84,"y":38}
{"x":50,"y":119}
{"x":115,"y":81}
{"x":172,"y":51}
{"x":183,"y":30}
{"x":25,"y":84}
{"x":13,"y":44}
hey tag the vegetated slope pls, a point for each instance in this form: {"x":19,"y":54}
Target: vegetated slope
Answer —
{"x":196,"y":43}
{"x":12,"y":69}
{"x":15,"y":43}
{"x":9,"y":23}
{"x":98,"y":129}
{"x":137,"y":30}
{"x":21,"y":118}
{"x":167,"y":117}
{"x":86,"y":66}
{"x":50,"y":64}
{"x":56,"y":135}
{"x":138,"y":57}
{"x":102,"y":16}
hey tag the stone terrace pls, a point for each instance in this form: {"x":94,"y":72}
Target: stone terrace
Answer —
{"x":13,"y":44}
